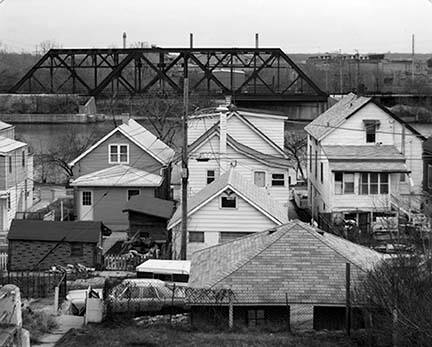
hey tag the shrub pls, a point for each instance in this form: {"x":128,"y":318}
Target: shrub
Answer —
{"x":38,"y":323}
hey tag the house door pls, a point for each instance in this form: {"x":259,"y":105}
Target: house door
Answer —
{"x":87,"y":205}
{"x":363,"y":222}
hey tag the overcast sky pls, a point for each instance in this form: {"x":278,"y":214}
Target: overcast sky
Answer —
{"x":295,"y":26}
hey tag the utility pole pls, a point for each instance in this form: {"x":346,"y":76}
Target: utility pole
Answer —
{"x":412,"y":58}
{"x":185,"y":173}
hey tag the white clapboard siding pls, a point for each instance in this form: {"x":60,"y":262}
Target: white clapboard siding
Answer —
{"x":272,"y":127}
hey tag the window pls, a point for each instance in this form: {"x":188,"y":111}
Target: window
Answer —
{"x":338,"y":182}
{"x":196,"y":236}
{"x":76,"y":249}
{"x":211,"y":176}
{"x":371,"y":127}
{"x":402,"y":176}
{"x":348,"y":179}
{"x":8,"y":201}
{"x":10,"y":164}
{"x":229,"y":200}
{"x":23,"y":158}
{"x":260,"y":178}
{"x":86,"y":198}
{"x":118,"y":154}
{"x":429,"y":176}
{"x":316,"y":164}
{"x":132,"y":192}
{"x":256,"y":318}
{"x":374,"y":183}
{"x":322,"y":171}
{"x":278,"y":179}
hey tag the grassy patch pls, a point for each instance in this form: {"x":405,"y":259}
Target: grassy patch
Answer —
{"x":127,"y":334}
{"x":38,"y":323}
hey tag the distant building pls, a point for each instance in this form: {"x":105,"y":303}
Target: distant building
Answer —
{"x":290,"y":276}
{"x":364,"y":164}
{"x":128,"y":161}
{"x":228,"y":208}
{"x":16,"y":177}
{"x":38,"y":245}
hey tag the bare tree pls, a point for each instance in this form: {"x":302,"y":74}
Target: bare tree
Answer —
{"x":295,"y":147}
{"x":46,"y":45}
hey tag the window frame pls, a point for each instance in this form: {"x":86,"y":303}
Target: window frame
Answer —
{"x":278,"y":179}
{"x":118,"y":154}
{"x":191,"y":240}
{"x":8,"y":201}
{"x":228,"y":195}
{"x":322,"y":172}
{"x":128,"y":196}
{"x":265,"y":178}
{"x":256,"y":320}
{"x":371,"y":124}
{"x":10,"y":163}
{"x":379,"y":184}
{"x":83,"y":199}
{"x":211,"y":178}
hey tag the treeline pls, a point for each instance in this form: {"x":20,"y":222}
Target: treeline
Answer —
{"x":13,"y":66}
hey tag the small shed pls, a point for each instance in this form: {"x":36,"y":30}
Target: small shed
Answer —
{"x":149,"y":216}
{"x":38,"y":245}
{"x":166,"y":270}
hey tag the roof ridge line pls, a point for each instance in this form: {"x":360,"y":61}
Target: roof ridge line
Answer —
{"x":257,"y":253}
{"x":313,"y":233}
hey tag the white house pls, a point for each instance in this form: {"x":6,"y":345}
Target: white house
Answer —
{"x":252,"y":141}
{"x":229,"y":207}
{"x":363,"y":161}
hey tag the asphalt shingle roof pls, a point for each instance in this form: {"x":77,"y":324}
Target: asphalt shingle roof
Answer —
{"x":7,"y":145}
{"x":368,"y":152}
{"x":38,"y":230}
{"x":118,"y":176}
{"x":294,"y":260}
{"x":151,"y":206}
{"x":247,"y":190}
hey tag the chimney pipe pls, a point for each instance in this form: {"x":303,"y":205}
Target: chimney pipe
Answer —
{"x":191,"y":40}
{"x":256,"y":40}
{"x":223,"y":139}
{"x":124,"y":39}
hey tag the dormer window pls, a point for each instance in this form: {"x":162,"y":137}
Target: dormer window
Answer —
{"x":229,"y":199}
{"x":118,"y":154}
{"x":371,"y":127}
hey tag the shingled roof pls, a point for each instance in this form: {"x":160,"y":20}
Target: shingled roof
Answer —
{"x":345,"y":108}
{"x":294,"y":259}
{"x":255,"y":196}
{"x":368,"y":152}
{"x":54,"y":231}
{"x":151,"y":206}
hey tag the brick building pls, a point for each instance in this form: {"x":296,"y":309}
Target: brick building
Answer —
{"x":292,"y":274}
{"x":36,"y":244}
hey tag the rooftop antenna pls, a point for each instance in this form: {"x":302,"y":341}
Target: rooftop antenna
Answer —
{"x":124,"y":40}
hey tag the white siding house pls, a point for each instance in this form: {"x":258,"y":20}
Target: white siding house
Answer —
{"x":227,"y":208}
{"x":362,"y":161}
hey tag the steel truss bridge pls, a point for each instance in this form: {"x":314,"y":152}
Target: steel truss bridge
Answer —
{"x":244,"y":73}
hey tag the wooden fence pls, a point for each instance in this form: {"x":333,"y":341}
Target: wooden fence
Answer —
{"x":3,"y":261}
{"x":123,"y":262}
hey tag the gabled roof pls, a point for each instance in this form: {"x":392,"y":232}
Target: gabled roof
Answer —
{"x":139,"y":135}
{"x":7,"y":145}
{"x":4,"y":125}
{"x":294,"y":258}
{"x":336,"y":115}
{"x":39,"y":230}
{"x":267,"y":159}
{"x":150,"y":206}
{"x":118,"y":176}
{"x":367,"y":152}
{"x":255,"y":196}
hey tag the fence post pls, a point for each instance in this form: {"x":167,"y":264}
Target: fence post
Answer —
{"x":288,"y":312}
{"x":348,"y":298}
{"x":172,"y":303}
{"x":56,"y":299}
{"x":230,"y":312}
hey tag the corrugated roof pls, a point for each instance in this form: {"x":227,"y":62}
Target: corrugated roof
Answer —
{"x":335,"y":115}
{"x":254,"y":195}
{"x":369,"y":166}
{"x":293,"y":259}
{"x":7,"y":145}
{"x":38,"y":230}
{"x":141,"y":137}
{"x":118,"y":176}
{"x":367,"y":152}
{"x":151,"y":206}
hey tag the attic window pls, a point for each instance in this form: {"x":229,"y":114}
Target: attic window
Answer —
{"x":119,"y":154}
{"x":371,"y":127}
{"x":229,"y":199}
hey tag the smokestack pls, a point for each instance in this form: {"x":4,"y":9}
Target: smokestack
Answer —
{"x":256,"y":40}
{"x":191,"y":40}
{"x":124,"y":39}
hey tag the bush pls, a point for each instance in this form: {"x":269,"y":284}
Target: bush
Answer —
{"x":38,"y":323}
